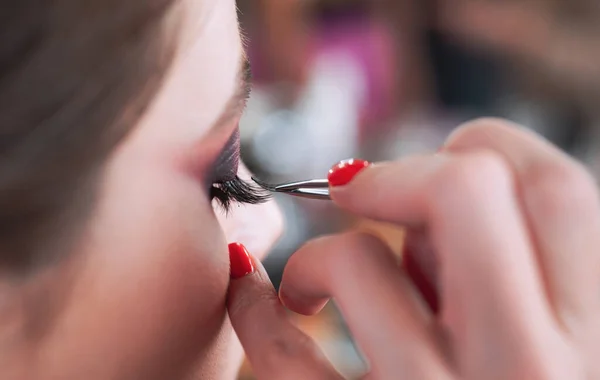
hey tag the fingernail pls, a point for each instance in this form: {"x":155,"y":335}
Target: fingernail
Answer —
{"x":240,"y":261}
{"x":343,"y":172}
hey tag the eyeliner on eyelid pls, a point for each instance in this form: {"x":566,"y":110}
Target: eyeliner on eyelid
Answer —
{"x":227,"y":187}
{"x":236,"y":104}
{"x":226,"y":164}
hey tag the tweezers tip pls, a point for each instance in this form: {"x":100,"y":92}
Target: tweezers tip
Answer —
{"x":262,"y":184}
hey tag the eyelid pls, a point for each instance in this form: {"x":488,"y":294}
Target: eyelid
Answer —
{"x":235,"y":107}
{"x":225,"y":165}
{"x":229,"y":119}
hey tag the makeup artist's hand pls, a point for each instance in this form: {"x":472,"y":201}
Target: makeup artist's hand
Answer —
{"x":504,"y":245}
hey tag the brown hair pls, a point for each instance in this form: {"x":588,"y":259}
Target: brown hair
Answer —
{"x":75,"y":76}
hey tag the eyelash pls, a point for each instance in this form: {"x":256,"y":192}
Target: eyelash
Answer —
{"x":237,"y":191}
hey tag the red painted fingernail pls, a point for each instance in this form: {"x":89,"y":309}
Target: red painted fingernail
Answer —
{"x":343,"y":172}
{"x":240,"y":261}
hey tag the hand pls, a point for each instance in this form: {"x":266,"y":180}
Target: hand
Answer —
{"x":512,"y":226}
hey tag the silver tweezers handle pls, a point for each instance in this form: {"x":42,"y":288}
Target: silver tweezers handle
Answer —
{"x":310,"y":193}
{"x":310,"y":184}
{"x":312,"y":189}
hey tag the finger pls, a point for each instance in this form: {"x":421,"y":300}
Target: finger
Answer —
{"x":389,"y":322}
{"x":419,"y":262}
{"x":561,"y":204}
{"x":275,"y":348}
{"x":491,"y":292}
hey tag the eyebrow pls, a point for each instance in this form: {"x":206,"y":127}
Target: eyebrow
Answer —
{"x":236,"y":104}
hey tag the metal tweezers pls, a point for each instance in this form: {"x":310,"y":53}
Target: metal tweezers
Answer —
{"x":313,"y":188}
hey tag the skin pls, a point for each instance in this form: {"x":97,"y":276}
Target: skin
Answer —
{"x":512,"y":227}
{"x":143,"y":295}
{"x":513,"y":224}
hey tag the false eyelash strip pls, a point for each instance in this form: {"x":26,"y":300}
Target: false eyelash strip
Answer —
{"x":238,"y":191}
{"x":264,"y":185}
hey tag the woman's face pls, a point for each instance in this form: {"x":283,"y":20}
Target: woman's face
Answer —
{"x":144,"y":296}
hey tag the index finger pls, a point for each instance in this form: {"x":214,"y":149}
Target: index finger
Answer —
{"x":276,"y":348}
{"x":491,"y":291}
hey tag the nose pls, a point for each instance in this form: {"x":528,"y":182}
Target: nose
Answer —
{"x":256,"y":226}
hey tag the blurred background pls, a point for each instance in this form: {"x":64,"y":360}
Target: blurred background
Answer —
{"x":380,"y":79}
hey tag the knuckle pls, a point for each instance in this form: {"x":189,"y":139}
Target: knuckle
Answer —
{"x":299,"y":259}
{"x":314,"y":243}
{"x":362,"y":250}
{"x":293,"y":345}
{"x":558,"y":190}
{"x":368,"y":246}
{"x":340,"y":256}
{"x":539,"y":365}
{"x":470,"y":177}
{"x":356,"y":242}
{"x":478,"y":129}
{"x":252,"y":300}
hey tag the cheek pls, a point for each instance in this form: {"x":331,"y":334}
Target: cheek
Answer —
{"x":151,"y":299}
